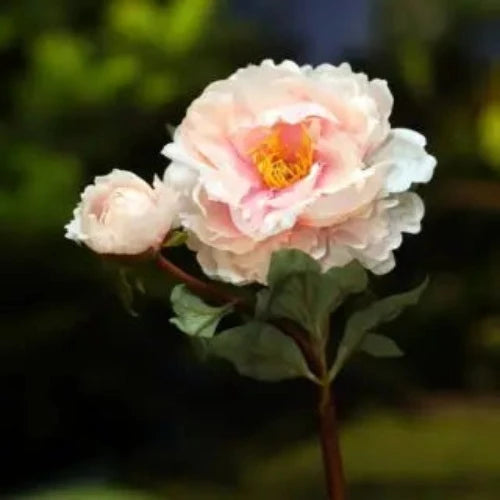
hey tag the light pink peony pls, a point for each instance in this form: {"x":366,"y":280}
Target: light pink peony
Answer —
{"x":123,"y":215}
{"x":282,"y":156}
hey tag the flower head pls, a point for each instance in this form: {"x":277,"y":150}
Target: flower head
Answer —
{"x":123,"y":215}
{"x":281,"y":156}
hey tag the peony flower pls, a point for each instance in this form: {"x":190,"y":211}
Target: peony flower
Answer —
{"x":281,"y":156}
{"x":122,"y":214}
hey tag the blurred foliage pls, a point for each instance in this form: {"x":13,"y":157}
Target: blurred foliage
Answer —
{"x":401,"y":455}
{"x":81,"y":80}
{"x":89,"y":392}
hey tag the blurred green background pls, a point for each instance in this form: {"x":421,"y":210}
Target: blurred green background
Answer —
{"x":98,"y":404}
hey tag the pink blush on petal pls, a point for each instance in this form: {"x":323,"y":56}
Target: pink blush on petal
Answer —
{"x":99,"y":205}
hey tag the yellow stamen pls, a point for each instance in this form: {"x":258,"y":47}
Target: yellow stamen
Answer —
{"x":279,"y":164}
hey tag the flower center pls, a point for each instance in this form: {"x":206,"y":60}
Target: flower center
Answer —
{"x":284,"y":156}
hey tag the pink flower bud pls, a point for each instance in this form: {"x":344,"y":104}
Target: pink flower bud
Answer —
{"x":120,"y":214}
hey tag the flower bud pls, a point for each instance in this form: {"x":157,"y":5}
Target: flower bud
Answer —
{"x":121,"y":214}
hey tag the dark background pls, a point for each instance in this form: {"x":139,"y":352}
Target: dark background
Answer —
{"x":98,"y":404}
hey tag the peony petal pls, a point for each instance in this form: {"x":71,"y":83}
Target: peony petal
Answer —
{"x":334,"y":208}
{"x":371,"y":239}
{"x":404,"y":151}
{"x":341,"y":210}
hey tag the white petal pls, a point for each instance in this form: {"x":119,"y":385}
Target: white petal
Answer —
{"x":180,"y":177}
{"x":74,"y":229}
{"x":404,"y":151}
{"x":406,"y":216}
{"x":372,"y":238}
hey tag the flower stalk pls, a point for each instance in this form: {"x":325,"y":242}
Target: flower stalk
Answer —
{"x":329,"y":441}
{"x":198,"y":286}
{"x":328,"y":427}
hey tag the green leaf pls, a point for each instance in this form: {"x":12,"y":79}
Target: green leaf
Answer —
{"x":262,"y":304}
{"x":260,"y":351}
{"x":194,"y":317}
{"x":364,"y":321}
{"x":175,"y":239}
{"x":302,"y":297}
{"x":347,"y":280}
{"x":128,"y":285}
{"x":301,"y":292}
{"x":125,"y":291}
{"x":380,"y":346}
{"x":383,"y":310}
{"x":286,"y":262}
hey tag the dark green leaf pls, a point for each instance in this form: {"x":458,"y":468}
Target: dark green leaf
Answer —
{"x":127,"y":286}
{"x":299,"y":291}
{"x":201,"y":347}
{"x":262,"y":304}
{"x":346,"y":280}
{"x":380,"y":346}
{"x":287,"y":262}
{"x":194,"y":317}
{"x":301,"y":297}
{"x":364,"y":321}
{"x":382,"y":311}
{"x":260,"y":351}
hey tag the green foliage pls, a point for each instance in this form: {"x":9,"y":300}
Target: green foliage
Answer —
{"x":256,"y":349}
{"x":489,"y":134}
{"x":448,"y":453}
{"x":380,"y":346}
{"x":299,"y":291}
{"x":41,"y":201}
{"x":85,"y":492}
{"x":287,"y":262}
{"x":194,"y":317}
{"x":83,"y":89}
{"x":127,"y":279}
{"x":362,"y":322}
{"x":260,"y":351}
{"x":176,"y":238}
{"x":129,"y":285}
{"x":173,"y":28}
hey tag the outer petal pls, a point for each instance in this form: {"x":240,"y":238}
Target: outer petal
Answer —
{"x":404,"y":152}
{"x":372,"y":237}
{"x":252,"y":266}
{"x":74,"y":229}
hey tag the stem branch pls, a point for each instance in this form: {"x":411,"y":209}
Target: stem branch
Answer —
{"x":196,"y":285}
{"x":213,"y":293}
{"x":332,"y":461}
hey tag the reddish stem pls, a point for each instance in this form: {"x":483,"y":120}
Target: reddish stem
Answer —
{"x":213,"y":293}
{"x":330,"y":447}
{"x":206,"y":290}
{"x":332,"y":460}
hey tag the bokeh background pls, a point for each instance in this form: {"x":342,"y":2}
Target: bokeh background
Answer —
{"x":98,"y":404}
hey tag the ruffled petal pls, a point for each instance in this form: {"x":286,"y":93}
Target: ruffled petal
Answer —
{"x":404,"y":152}
{"x":349,"y":204}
